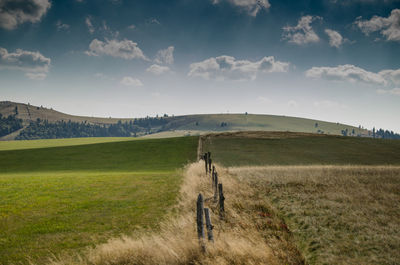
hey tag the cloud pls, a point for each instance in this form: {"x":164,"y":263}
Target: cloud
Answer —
{"x":153,"y":20}
{"x":389,"y":27}
{"x":158,"y":69}
{"x":165,"y":56}
{"x":125,"y":49}
{"x":15,"y":12}
{"x":36,"y":76}
{"x":394,"y":91}
{"x":132,"y":27}
{"x":129,"y":81}
{"x":346,"y":72}
{"x":89,"y":24}
{"x":227,"y":67}
{"x":392,"y":76}
{"x":34,"y":63}
{"x":302,"y":33}
{"x":335,"y":39}
{"x":61,"y":26}
{"x":252,"y":7}
{"x":24,"y":61}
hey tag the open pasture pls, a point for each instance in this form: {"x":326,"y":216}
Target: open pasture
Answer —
{"x":62,"y":199}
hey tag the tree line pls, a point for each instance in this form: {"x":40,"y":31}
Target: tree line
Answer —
{"x":9,"y":124}
{"x":42,"y":129}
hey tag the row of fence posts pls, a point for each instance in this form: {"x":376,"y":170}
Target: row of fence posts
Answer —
{"x":218,"y":197}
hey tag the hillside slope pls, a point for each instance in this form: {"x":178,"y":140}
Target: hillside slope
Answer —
{"x":187,"y":124}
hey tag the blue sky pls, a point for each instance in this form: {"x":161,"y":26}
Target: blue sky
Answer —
{"x":334,"y":60}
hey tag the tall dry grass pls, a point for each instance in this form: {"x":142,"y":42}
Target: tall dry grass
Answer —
{"x":338,"y":214}
{"x":251,"y":233}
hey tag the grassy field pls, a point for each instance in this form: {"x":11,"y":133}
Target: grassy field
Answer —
{"x":31,"y":144}
{"x":301,"y":149}
{"x":257,"y":122}
{"x":61,"y":199}
{"x":337,"y":214}
{"x":339,"y":196}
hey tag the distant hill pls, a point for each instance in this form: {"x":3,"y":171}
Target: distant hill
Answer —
{"x":164,"y":126}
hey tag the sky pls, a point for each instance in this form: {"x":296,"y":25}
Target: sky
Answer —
{"x":332,"y":60}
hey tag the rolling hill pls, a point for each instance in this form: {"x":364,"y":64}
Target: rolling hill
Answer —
{"x":175,"y":125}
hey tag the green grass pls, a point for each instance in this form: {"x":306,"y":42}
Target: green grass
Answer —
{"x":304,"y":151}
{"x":31,"y":144}
{"x":62,"y":199}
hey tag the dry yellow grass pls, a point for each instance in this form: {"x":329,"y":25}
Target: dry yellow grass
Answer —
{"x":250,"y":234}
{"x":338,"y":214}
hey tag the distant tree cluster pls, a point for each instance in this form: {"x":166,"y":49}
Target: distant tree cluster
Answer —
{"x":42,"y":129}
{"x":9,"y":124}
{"x":385,"y":134}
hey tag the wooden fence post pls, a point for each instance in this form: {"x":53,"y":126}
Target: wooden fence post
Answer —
{"x":215,"y":186}
{"x":209,"y":164}
{"x":200,"y":221}
{"x":221,"y":201}
{"x":213,"y":179}
{"x":209,"y":226}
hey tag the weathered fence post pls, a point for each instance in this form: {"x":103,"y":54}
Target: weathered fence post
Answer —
{"x":221,"y":201}
{"x":213,"y":179}
{"x":200,"y":221}
{"x":215,"y":186}
{"x":213,"y":169}
{"x":209,"y":226}
{"x":209,"y":164}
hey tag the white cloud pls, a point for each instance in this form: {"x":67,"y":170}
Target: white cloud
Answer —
{"x":335,"y":39}
{"x":302,"y":33}
{"x":227,"y":67}
{"x":125,"y":49}
{"x":394,"y":91}
{"x":34,"y":63}
{"x":153,"y":20}
{"x":15,"y":12}
{"x":392,"y":76}
{"x":89,"y":24}
{"x":62,"y":26}
{"x":129,"y":81}
{"x":346,"y":72}
{"x":158,"y":69}
{"x":36,"y":76}
{"x":252,"y":7}
{"x":24,"y":61}
{"x":132,"y":27}
{"x":165,"y":56}
{"x":389,"y":26}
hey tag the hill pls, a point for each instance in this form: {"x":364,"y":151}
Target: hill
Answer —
{"x":55,"y":124}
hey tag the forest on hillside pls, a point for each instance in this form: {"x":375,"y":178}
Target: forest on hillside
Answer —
{"x":42,"y":129}
{"x":9,"y":124}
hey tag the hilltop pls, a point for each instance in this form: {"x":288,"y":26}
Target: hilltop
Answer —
{"x":53,"y":124}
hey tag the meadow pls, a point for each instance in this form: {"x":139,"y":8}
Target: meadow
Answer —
{"x":44,"y":143}
{"x":337,"y":214}
{"x":62,"y":199}
{"x":339,"y":196}
{"x":285,"y":148}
